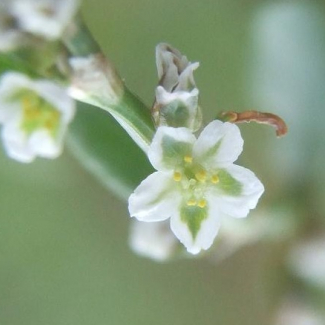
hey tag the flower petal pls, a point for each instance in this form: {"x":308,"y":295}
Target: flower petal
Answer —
{"x":46,"y":18}
{"x":155,"y":199}
{"x":153,"y":239}
{"x":186,"y":78}
{"x":236,"y":203}
{"x":43,"y":144}
{"x":170,"y":63}
{"x":179,"y":109}
{"x":58,"y":97}
{"x":219,"y":143}
{"x":196,"y":230}
{"x":15,"y":143}
{"x":169,"y":147}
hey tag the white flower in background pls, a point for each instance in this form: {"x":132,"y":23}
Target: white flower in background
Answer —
{"x":307,"y":261}
{"x":153,"y":240}
{"x":196,"y":183}
{"x":35,"y":115}
{"x":176,"y":96}
{"x":43,"y":18}
{"x":46,"y":18}
{"x":296,"y":312}
{"x":10,"y":36}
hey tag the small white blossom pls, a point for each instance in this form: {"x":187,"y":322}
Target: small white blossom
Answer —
{"x":45,"y":18}
{"x":176,"y":96}
{"x":153,"y":240}
{"x":196,"y":183}
{"x":35,"y":115}
{"x":307,"y":261}
{"x":10,"y":36}
{"x":296,"y":312}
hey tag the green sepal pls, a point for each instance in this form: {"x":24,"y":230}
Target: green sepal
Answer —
{"x":193,"y":217}
{"x":176,"y":114}
{"x":106,"y":151}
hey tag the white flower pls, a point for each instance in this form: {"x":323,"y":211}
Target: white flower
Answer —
{"x":153,"y":240}
{"x":44,"y":18}
{"x":10,"y":36}
{"x":298,"y":312}
{"x":196,"y":183}
{"x":176,"y":96}
{"x":35,"y":115}
{"x":307,"y":261}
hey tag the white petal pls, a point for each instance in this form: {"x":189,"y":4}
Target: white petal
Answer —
{"x":158,"y":157}
{"x":186,"y":78}
{"x":15,"y":143}
{"x":205,"y":236}
{"x":237,"y":206}
{"x":219,"y":143}
{"x":155,"y":199}
{"x":43,"y":144}
{"x":307,"y":260}
{"x":56,"y":96}
{"x":164,"y":97}
{"x":170,"y":62}
{"x":46,"y":18}
{"x":8,"y":111}
{"x":182,"y":232}
{"x":13,"y":81}
{"x":209,"y":229}
{"x":152,"y":239}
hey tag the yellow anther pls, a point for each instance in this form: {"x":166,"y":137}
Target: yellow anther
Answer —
{"x":201,"y":176}
{"x":215,"y":179}
{"x":202,"y":203}
{"x":29,"y":108}
{"x":191,"y":202}
{"x":188,"y":159}
{"x":177,"y":176}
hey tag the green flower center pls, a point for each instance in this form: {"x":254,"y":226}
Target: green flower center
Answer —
{"x":37,"y":113}
{"x":193,"y":180}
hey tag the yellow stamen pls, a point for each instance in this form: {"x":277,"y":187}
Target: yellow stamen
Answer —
{"x":215,"y":179}
{"x":191,"y":202}
{"x":202,"y":203}
{"x":188,"y":159}
{"x":177,"y":176}
{"x":30,"y":108}
{"x":201,"y":176}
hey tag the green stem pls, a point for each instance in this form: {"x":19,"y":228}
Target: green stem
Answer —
{"x":130,"y":112}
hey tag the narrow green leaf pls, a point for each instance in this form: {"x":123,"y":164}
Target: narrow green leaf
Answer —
{"x":105,"y":150}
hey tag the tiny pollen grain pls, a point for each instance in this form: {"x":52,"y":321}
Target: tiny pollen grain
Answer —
{"x":177,"y":176}
{"x":201,"y":176}
{"x":188,"y":159}
{"x":191,"y":202}
{"x":202,"y":203}
{"x":215,"y":179}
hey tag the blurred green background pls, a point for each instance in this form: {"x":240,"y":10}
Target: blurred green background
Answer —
{"x":63,"y":237}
